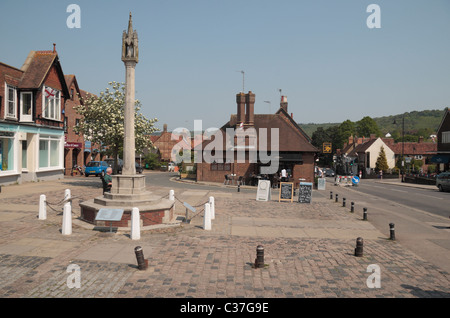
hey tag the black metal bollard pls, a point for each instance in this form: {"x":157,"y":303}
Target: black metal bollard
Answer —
{"x":343,"y":202}
{"x":352,"y":207}
{"x":239,"y":188}
{"x":365,"y":214}
{"x":259,"y":261}
{"x":392,"y":230}
{"x":336,"y":197}
{"x":359,"y":247}
{"x":142,"y":263}
{"x":331,"y":195}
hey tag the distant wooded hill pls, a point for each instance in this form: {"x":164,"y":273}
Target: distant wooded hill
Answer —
{"x":420,"y":123}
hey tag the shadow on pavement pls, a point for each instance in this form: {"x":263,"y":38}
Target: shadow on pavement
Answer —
{"x":421,"y":293}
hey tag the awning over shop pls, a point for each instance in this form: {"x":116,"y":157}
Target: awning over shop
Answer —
{"x":441,"y":159}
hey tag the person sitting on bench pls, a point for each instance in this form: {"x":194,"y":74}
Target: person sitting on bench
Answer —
{"x":107,"y":180}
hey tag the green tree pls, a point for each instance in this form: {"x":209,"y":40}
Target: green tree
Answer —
{"x":381,"y":163}
{"x":346,"y":129}
{"x":151,"y":161}
{"x":367,"y":126}
{"x":103,"y":123}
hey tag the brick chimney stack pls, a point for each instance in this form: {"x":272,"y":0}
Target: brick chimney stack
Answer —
{"x":240,"y":100}
{"x":250,"y":109}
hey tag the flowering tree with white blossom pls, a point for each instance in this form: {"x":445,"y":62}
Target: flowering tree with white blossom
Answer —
{"x":103,"y":120}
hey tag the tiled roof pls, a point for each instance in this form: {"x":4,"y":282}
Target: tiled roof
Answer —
{"x":291,"y":136}
{"x":414,"y":148}
{"x":37,"y":69}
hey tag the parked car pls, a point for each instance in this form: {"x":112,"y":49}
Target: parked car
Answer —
{"x":96,"y":167}
{"x":329,"y":173}
{"x":111,"y":164}
{"x":171,"y":167}
{"x":443,"y":181}
{"x":139,"y":168}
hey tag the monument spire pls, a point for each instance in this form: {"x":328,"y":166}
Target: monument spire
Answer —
{"x":130,"y":25}
{"x":130,"y":49}
{"x":128,"y":191}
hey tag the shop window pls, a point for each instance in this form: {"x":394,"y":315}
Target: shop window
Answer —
{"x":6,"y":151}
{"x":49,"y":152}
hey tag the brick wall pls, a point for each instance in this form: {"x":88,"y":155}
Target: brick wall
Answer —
{"x":71,"y":136}
{"x":148,"y":218}
{"x":52,"y":80}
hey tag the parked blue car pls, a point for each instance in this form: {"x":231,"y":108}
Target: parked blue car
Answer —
{"x":96,"y":167}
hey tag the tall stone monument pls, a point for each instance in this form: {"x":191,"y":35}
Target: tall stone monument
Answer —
{"x":128,"y":190}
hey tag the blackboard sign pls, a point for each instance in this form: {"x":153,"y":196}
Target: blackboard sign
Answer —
{"x":263,"y":193}
{"x":305,"y":192}
{"x":286,"y":191}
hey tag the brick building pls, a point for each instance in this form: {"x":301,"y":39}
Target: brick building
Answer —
{"x":417,"y":151}
{"x":32,"y":102}
{"x":367,"y":150}
{"x":296,"y":153}
{"x":165,"y":144}
{"x":74,"y":143}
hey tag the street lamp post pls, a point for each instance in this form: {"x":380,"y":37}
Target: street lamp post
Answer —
{"x":403,"y":145}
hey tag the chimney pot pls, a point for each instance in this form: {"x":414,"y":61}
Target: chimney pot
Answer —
{"x":284,"y":103}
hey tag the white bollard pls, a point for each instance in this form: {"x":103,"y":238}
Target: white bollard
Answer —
{"x":135,"y":224}
{"x":212,"y":207}
{"x":207,"y":218}
{"x":42,"y":208}
{"x":67,"y":219}
{"x":66,"y":194}
{"x":172,"y":198}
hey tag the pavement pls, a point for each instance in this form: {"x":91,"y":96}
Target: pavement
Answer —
{"x":308,"y":250}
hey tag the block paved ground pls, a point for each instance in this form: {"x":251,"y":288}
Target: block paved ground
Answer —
{"x":308,"y":251}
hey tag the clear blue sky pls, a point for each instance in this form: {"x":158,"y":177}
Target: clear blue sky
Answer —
{"x":322,"y":55}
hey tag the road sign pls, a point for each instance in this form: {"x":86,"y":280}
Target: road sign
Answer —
{"x":327,"y":147}
{"x":355,"y":180}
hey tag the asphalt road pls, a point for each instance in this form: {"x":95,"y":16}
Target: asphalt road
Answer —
{"x":431,"y":201}
{"x":163,"y":179}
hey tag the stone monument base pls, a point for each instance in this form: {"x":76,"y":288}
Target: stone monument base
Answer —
{"x":128,"y":192}
{"x":151,"y":212}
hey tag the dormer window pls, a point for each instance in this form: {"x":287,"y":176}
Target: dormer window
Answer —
{"x":52,"y":103}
